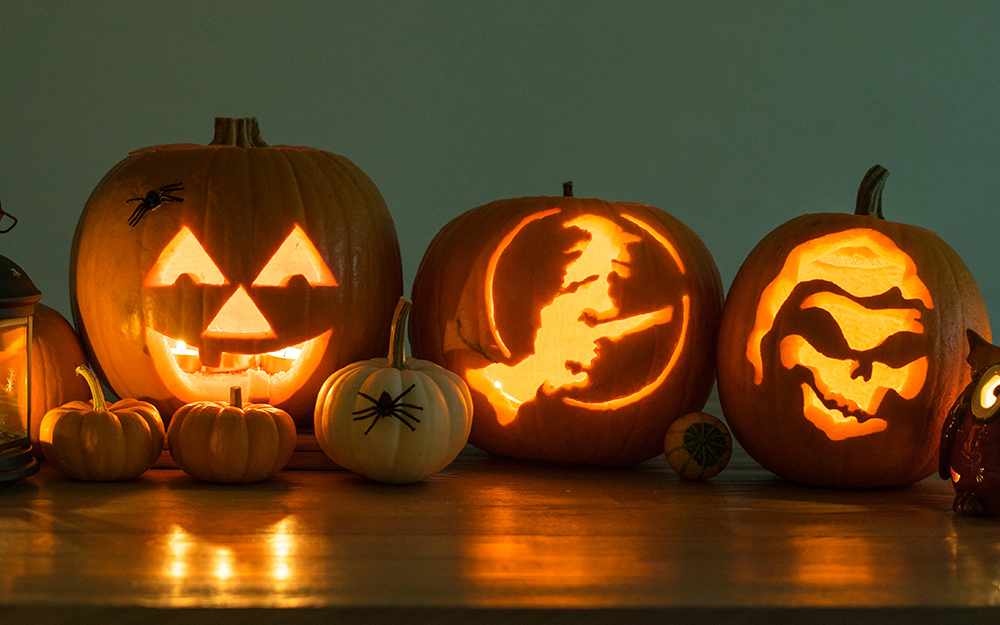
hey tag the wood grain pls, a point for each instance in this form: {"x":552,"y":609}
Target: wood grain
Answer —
{"x":491,"y":540}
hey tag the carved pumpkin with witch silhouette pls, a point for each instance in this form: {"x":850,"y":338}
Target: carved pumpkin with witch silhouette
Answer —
{"x":199,"y":268}
{"x":582,"y":327}
{"x":841,"y":346}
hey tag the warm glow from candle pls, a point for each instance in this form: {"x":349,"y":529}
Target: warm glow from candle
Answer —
{"x":239,"y":318}
{"x":296,"y":256}
{"x":180,"y":347}
{"x":184,"y":255}
{"x":988,"y":393}
{"x":862,"y":262}
{"x":581,"y":316}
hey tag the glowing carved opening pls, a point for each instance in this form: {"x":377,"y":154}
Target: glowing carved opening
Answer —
{"x":865,"y":328}
{"x":491,"y":270}
{"x":184,"y":254}
{"x":662,"y":240}
{"x":268,"y":378}
{"x":984,"y":398}
{"x":583,"y":313}
{"x":842,"y":382}
{"x":615,"y":404}
{"x":987,"y":394}
{"x":297,"y":255}
{"x":239,"y":318}
{"x":271,"y":377}
{"x":833,"y":422}
{"x":863,"y":262}
{"x":189,"y":359}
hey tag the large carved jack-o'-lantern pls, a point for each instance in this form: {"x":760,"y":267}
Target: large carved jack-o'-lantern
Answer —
{"x":841,"y":346}
{"x":199,"y":268}
{"x":582,"y":327}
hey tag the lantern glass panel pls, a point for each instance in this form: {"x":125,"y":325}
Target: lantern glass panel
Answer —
{"x":14,"y":369}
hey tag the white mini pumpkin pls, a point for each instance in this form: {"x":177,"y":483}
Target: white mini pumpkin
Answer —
{"x":395,"y":419}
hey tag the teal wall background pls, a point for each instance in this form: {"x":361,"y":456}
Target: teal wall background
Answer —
{"x":733,"y":116}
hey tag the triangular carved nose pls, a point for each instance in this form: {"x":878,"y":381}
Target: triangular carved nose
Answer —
{"x":239,"y":318}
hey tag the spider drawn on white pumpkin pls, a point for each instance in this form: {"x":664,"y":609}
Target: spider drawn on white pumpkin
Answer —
{"x":386,"y":407}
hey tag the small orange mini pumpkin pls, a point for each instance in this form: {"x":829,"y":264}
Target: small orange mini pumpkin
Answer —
{"x":698,"y":446}
{"x":842,"y":345}
{"x":231,"y":443}
{"x":94,"y":441}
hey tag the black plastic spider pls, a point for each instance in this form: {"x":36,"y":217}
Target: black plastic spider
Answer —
{"x":387,"y":406}
{"x":153,"y":199}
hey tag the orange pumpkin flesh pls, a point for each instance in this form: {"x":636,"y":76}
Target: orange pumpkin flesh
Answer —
{"x":277,"y":266}
{"x":582,"y":327}
{"x":841,"y":346}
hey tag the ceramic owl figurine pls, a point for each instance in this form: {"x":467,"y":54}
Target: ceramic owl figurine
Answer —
{"x":970,"y":438}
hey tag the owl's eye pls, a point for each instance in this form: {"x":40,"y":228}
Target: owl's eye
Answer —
{"x":985,"y":403}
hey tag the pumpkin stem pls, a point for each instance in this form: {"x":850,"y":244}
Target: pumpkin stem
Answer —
{"x":243,"y":132}
{"x":870,"y":192}
{"x":568,"y":188}
{"x":100,"y":405}
{"x":397,"y":335}
{"x":235,"y":396}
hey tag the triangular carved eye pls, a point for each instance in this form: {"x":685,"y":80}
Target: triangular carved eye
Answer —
{"x":184,"y":254}
{"x":297,"y":255}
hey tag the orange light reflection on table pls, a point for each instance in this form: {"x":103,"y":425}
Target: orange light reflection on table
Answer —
{"x":561,"y":564}
{"x":828,"y":563}
{"x":196,"y":566}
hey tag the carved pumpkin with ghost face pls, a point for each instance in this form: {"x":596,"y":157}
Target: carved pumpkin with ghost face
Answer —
{"x":271,"y":268}
{"x":582,"y":327}
{"x":841,"y":346}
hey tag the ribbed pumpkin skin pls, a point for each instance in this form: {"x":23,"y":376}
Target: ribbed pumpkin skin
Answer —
{"x":450,"y":326}
{"x":55,"y":354}
{"x":767,"y":418}
{"x":390,"y":451}
{"x":216,"y":442}
{"x":240,"y":203}
{"x":119,"y":443}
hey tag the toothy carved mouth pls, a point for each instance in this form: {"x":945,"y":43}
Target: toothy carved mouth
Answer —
{"x":265,"y":378}
{"x":837,"y":423}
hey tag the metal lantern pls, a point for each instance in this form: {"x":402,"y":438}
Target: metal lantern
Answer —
{"x":18,"y":296}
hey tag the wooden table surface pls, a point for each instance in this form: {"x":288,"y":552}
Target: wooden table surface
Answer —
{"x":491,"y":540}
